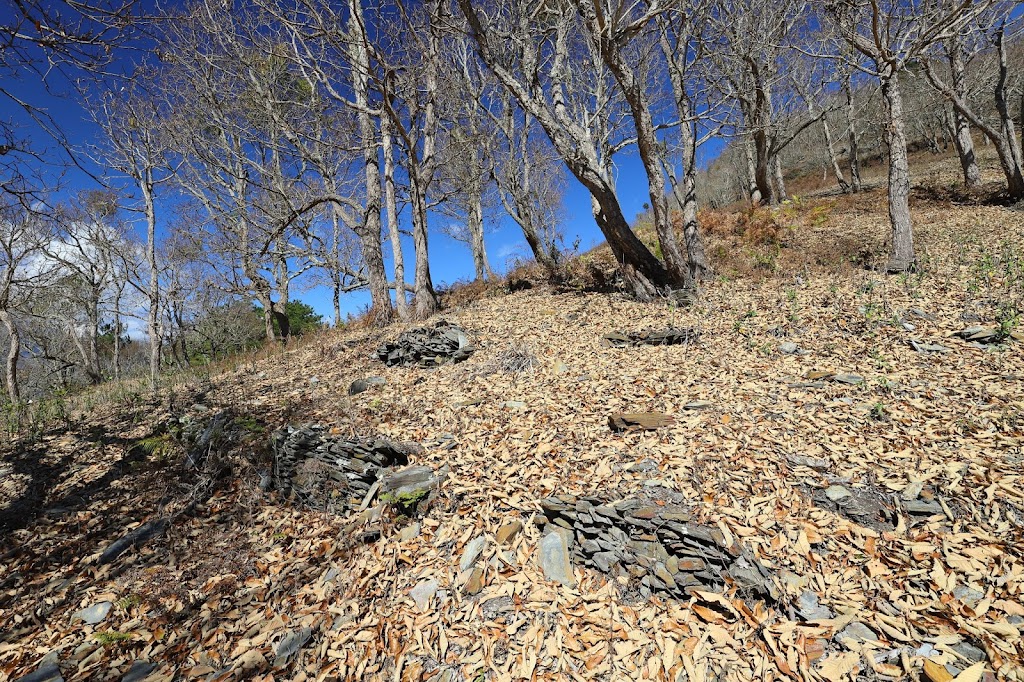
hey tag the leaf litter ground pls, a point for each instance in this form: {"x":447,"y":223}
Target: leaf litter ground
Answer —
{"x":249,"y":587}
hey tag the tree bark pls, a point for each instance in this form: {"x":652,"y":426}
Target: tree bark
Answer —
{"x":481,"y":267}
{"x":370,"y":229}
{"x":754,"y":190}
{"x":779,"y":182}
{"x":1006,"y":121}
{"x":391,"y":211}
{"x":13,"y":356}
{"x":648,"y":146}
{"x":643,"y":272}
{"x":854,"y":153}
{"x":153,"y":314}
{"x":901,"y":258}
{"x":961,"y":128}
{"x":830,"y":148}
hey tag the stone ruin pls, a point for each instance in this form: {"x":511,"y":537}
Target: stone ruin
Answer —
{"x":331,"y":472}
{"x":659,"y":549}
{"x":659,"y":337}
{"x":427,"y":346}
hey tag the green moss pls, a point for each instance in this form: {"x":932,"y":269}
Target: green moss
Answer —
{"x":111,"y":637}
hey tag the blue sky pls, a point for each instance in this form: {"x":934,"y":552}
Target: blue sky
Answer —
{"x":450,"y":260}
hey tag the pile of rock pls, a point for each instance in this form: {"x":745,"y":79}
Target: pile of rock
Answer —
{"x":658,"y":548}
{"x":427,"y":346}
{"x":879,"y":510}
{"x":331,"y":472}
{"x":658,"y":337}
{"x":865,"y":506}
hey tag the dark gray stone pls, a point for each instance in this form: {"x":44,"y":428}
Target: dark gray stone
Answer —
{"x":139,"y":671}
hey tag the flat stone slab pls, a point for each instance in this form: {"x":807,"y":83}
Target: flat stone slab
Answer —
{"x":93,"y":614}
{"x":639,"y":421}
{"x":423,"y":593}
{"x":554,"y":559}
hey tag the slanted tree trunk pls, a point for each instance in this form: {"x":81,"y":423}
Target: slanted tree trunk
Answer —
{"x":13,"y":356}
{"x":901,"y":257}
{"x":391,"y":212}
{"x":961,"y":128}
{"x":643,"y":272}
{"x":649,"y":147}
{"x":854,"y":153}
{"x":830,"y":148}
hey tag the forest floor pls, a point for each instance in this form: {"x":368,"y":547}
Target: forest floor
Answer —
{"x":245,"y":585}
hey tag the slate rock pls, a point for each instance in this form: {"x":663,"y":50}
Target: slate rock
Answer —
{"x":472,"y":552}
{"x":423,"y":593}
{"x":809,"y":608}
{"x":968,"y":594}
{"x":837,"y":493}
{"x":48,"y":670}
{"x":554,"y":559}
{"x":970,"y":652}
{"x":507,"y":533}
{"x":928,"y":347}
{"x":857,"y":632}
{"x":410,"y":532}
{"x":851,"y":379}
{"x":360,"y":385}
{"x":139,"y":671}
{"x":290,"y":645}
{"x":788,"y":348}
{"x":427,"y":346}
{"x":93,"y":614}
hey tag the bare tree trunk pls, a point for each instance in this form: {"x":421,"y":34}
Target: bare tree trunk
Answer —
{"x":268,"y":316}
{"x":754,"y":191}
{"x":391,"y":211}
{"x":961,"y":128}
{"x":425,"y":299}
{"x":153,"y":314}
{"x":648,"y":146}
{"x":901,"y":257}
{"x":854,"y":154}
{"x":830,"y":147}
{"x":13,"y":356}
{"x":1006,"y":121}
{"x":116,"y":360}
{"x":686,"y":196}
{"x":779,"y":182}
{"x":476,"y":233}
{"x":644,"y":273}
{"x":370,"y":230}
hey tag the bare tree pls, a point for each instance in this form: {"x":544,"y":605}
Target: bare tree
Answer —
{"x":134,"y":147}
{"x":22,"y":273}
{"x":961,"y":50}
{"x":889,"y":35}
{"x":537,"y":51}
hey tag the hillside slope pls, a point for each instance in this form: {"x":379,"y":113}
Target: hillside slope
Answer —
{"x":759,"y":433}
